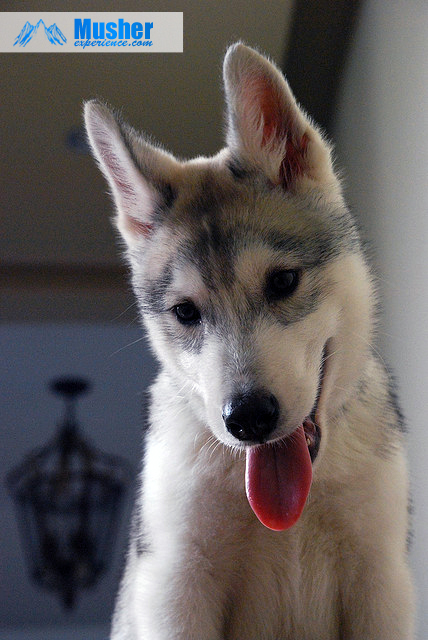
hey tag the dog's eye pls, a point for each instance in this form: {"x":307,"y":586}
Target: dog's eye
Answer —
{"x":187,"y":313}
{"x":281,"y":284}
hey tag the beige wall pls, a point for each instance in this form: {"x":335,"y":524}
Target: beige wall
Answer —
{"x":382,"y":142}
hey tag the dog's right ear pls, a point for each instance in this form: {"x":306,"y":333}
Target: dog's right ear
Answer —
{"x":266,"y":127}
{"x":139,"y":174}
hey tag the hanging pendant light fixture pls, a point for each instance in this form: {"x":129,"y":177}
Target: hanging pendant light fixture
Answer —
{"x":68,"y":497}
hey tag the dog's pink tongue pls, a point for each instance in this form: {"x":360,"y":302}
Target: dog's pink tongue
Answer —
{"x":277,"y":480}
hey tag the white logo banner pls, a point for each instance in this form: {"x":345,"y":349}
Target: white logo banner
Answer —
{"x":91,"y":32}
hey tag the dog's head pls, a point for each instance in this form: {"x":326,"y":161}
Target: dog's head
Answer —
{"x":247,"y":266}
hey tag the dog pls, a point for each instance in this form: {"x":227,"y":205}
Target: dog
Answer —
{"x":273,"y":502}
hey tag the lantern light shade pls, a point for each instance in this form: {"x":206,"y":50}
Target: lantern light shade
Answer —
{"x":68,"y":497}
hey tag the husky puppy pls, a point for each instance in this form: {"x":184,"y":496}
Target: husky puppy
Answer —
{"x":273,"y":500}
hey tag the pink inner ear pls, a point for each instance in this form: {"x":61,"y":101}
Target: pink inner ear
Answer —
{"x":138,"y":227}
{"x":278,"y":126}
{"x":274,"y":125}
{"x":126,"y":190}
{"x":294,"y":164}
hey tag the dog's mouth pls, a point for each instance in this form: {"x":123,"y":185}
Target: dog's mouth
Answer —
{"x":310,"y":424}
{"x":278,"y":474}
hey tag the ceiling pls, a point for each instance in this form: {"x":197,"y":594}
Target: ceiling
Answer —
{"x":59,"y":257}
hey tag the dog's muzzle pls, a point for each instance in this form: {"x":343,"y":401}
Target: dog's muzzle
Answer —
{"x":252,"y":416}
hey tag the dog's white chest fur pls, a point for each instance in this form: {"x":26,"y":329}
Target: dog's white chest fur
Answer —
{"x":212,"y":570}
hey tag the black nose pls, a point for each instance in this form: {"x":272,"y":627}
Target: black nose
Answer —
{"x":251,"y":416}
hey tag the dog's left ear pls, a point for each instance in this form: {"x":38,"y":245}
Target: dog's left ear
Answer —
{"x":266,"y":128}
{"x":140,"y":175}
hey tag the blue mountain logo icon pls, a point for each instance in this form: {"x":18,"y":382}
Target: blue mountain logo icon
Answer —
{"x":28,"y":31}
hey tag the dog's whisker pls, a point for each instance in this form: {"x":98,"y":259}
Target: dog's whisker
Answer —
{"x":215,"y":448}
{"x":338,"y":350}
{"x":370,"y":345}
{"x":339,"y":388}
{"x":130,"y":344}
{"x":181,"y":389}
{"x":133,"y":321}
{"x":133,"y":304}
{"x":208,"y":444}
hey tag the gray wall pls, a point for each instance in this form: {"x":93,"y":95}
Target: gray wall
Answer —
{"x":382,"y":144}
{"x":56,"y":633}
{"x":117,"y":361}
